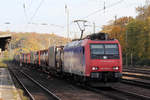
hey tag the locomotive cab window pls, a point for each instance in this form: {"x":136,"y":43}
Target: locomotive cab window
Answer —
{"x":111,"y":49}
{"x":98,"y":51}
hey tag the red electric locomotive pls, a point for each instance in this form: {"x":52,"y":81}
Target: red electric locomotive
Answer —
{"x":95,"y":59}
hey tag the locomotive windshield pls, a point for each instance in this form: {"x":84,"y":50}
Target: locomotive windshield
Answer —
{"x":104,"y":51}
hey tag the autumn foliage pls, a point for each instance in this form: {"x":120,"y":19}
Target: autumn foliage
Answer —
{"x":134,"y":36}
{"x":27,"y":42}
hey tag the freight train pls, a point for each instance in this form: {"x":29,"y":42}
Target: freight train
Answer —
{"x":95,"y":59}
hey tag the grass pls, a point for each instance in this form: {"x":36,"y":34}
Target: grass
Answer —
{"x":19,"y":94}
{"x":3,"y":62}
{"x":22,"y":95}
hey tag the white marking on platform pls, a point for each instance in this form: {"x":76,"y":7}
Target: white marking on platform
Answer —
{"x":1,"y":80}
{"x":0,"y":95}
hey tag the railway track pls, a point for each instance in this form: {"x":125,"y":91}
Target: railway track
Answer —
{"x":33,"y":89}
{"x":136,"y":83}
{"x":136,"y":71}
{"x":75,"y":93}
{"x":117,"y":94}
{"x":22,"y":85}
{"x":136,"y":76}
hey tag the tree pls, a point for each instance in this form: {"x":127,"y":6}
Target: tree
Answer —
{"x":138,"y":40}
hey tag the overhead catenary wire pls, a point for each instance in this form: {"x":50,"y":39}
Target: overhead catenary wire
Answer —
{"x":105,"y":7}
{"x":37,"y":9}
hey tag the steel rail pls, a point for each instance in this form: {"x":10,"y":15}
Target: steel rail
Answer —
{"x":137,"y":76}
{"x":137,"y":71}
{"x":137,"y":83}
{"x":132,"y":94}
{"x":22,"y":85}
{"x":44,"y":88}
{"x":110,"y":93}
{"x":112,"y":96}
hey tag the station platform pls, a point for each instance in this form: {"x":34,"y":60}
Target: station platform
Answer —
{"x":7,"y":88}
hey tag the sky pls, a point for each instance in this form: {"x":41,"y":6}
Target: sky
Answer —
{"x":50,"y":16}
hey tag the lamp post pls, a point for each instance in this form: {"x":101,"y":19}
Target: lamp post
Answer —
{"x":67,"y":12}
{"x":126,"y":47}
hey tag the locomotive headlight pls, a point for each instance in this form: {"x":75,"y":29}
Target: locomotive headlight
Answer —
{"x":116,"y":68}
{"x":95,"y":68}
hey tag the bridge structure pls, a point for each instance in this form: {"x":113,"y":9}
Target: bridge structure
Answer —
{"x":4,"y":42}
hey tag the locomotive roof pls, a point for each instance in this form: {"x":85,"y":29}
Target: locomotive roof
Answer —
{"x":93,"y":37}
{"x":78,"y":43}
{"x":74,"y":44}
